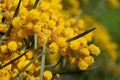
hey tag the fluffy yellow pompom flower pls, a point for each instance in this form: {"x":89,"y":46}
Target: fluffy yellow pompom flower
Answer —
{"x":74,"y":45}
{"x":3,"y":48}
{"x":15,"y":3}
{"x":1,"y":18}
{"x":83,"y":41}
{"x":31,"y":2}
{"x":21,"y":64}
{"x":16,"y":22}
{"x":29,"y":55}
{"x":9,"y":67}
{"x":36,"y":28}
{"x":69,"y":33}
{"x":23,"y":58}
{"x":47,"y":75}
{"x":73,"y":60}
{"x":94,"y":49}
{"x":61,"y":42}
{"x":29,"y":77}
{"x":82,"y":65}
{"x":81,"y":24}
{"x":44,"y":17}
{"x":4,"y":75}
{"x":25,"y":2}
{"x":12,"y":46}
{"x":84,"y":52}
{"x":53,"y":47}
{"x":57,"y":75}
{"x":89,"y":60}
{"x":14,"y":55}
{"x":23,"y":13}
{"x":31,"y":67}
{"x":29,"y":26}
{"x":51,"y":24}
{"x":89,"y":36}
{"x":33,"y":15}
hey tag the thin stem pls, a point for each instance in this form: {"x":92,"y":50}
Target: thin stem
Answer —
{"x":35,"y":58}
{"x":36,"y":3}
{"x":80,"y":35}
{"x":13,"y":60}
{"x":42,"y":62}
{"x":58,"y":62}
{"x":78,"y":15}
{"x":35,"y":41}
{"x":17,"y":9}
{"x":15,"y":14}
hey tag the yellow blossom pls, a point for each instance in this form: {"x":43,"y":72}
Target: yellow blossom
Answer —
{"x":94,"y":49}
{"x":4,"y":75}
{"x":82,"y":65}
{"x":21,"y":64}
{"x":1,"y":18}
{"x":23,"y":74}
{"x":12,"y":46}
{"x":19,"y":44}
{"x":29,"y":77}
{"x":31,"y":67}
{"x":61,"y":42}
{"x":73,"y":60}
{"x":3,"y":48}
{"x":29,"y":26}
{"x":9,"y":67}
{"x":44,"y":17}
{"x":70,"y":22}
{"x":47,"y":32}
{"x":15,"y":3}
{"x":14,"y":55}
{"x":45,"y":5}
{"x":84,"y":51}
{"x":89,"y":60}
{"x":53,"y":47}
{"x":47,"y":75}
{"x":69,"y":33}
{"x":61,"y":22}
{"x":25,"y":2}
{"x":36,"y":28}
{"x":51,"y":24}
{"x":23,"y":58}
{"x":33,"y":15}
{"x":83,"y":41}
{"x":80,"y":24}
{"x":89,"y":36}
{"x":29,"y":55}
{"x":31,"y":2}
{"x":57,"y":75}
{"x":74,"y":45}
{"x":23,"y":13}
{"x":14,"y":73}
{"x":16,"y":22}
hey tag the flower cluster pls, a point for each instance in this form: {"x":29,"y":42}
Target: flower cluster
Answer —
{"x":103,"y":39}
{"x":48,"y":21}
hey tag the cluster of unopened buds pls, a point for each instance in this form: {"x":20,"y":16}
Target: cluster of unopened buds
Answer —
{"x":32,"y":31}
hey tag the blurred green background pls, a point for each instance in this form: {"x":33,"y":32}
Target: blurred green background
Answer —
{"x":107,"y":16}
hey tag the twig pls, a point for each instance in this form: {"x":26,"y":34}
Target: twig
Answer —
{"x":80,"y":35}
